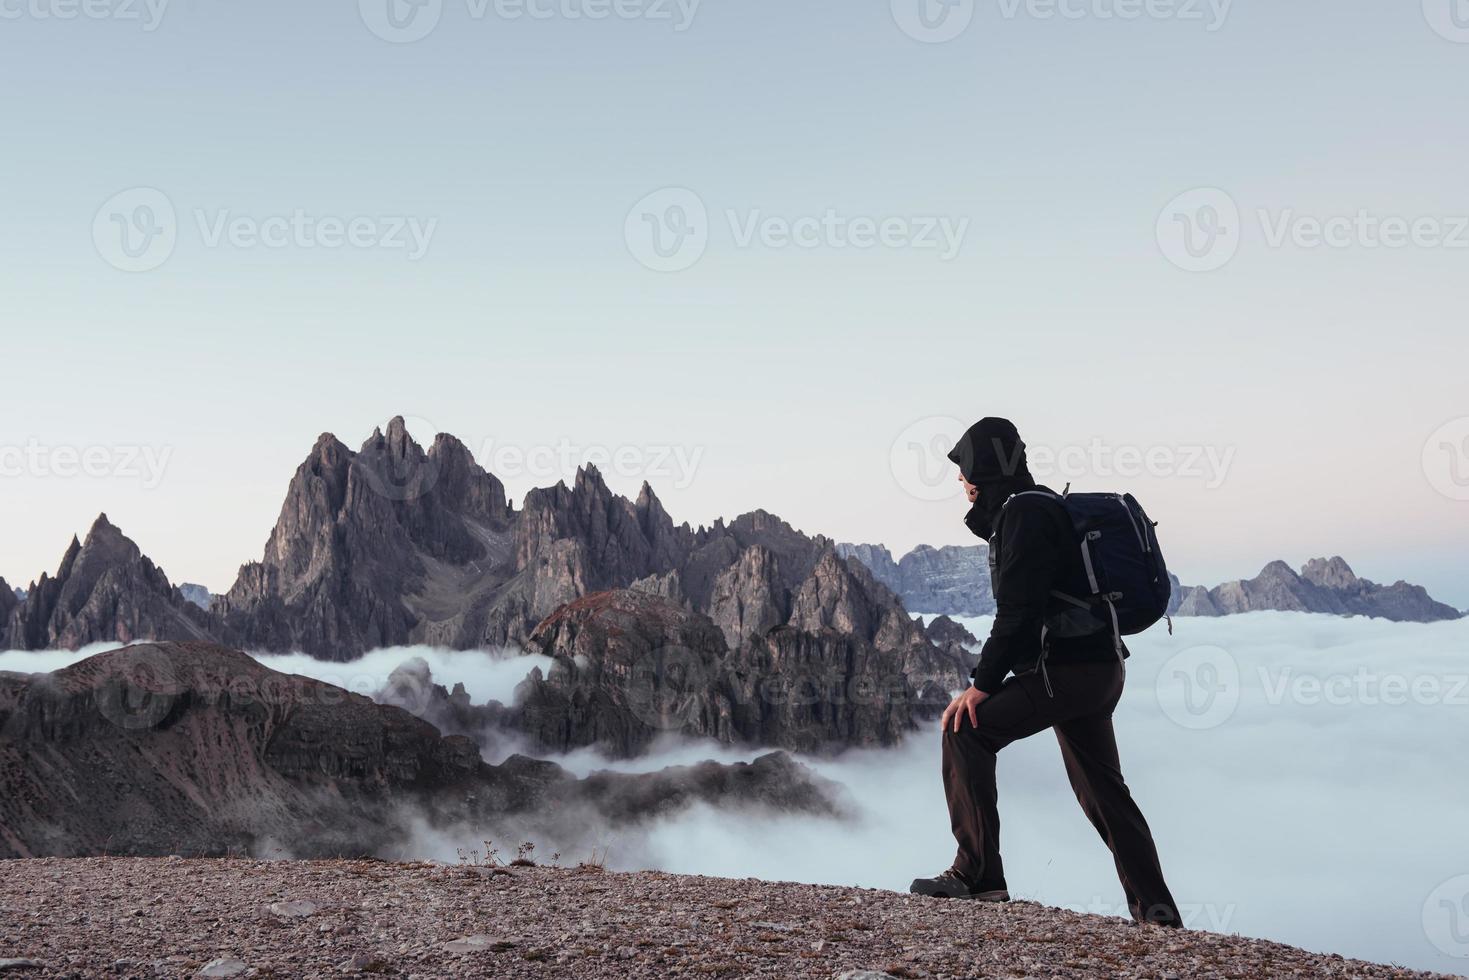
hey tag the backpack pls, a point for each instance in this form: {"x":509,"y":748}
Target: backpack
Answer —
{"x":1123,"y":583}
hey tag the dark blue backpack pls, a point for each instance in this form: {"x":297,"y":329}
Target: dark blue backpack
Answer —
{"x":1123,"y":584}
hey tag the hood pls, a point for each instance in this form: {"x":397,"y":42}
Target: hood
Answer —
{"x":990,"y":450}
{"x":991,"y":455}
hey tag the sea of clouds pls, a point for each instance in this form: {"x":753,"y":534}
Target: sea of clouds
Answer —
{"x":1305,"y":777}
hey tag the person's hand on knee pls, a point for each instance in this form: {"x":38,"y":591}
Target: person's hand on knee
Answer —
{"x":964,"y":705}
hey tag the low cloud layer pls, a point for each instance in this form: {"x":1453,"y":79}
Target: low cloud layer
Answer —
{"x":1329,"y":821}
{"x":1304,"y":777}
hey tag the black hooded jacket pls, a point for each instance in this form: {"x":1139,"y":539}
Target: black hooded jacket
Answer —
{"x":1033,"y":549}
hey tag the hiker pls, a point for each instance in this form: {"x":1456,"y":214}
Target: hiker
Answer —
{"x":1067,"y":682}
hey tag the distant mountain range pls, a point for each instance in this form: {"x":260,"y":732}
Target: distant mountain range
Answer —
{"x":197,"y":594}
{"x":393,"y":545}
{"x":1323,"y":585}
{"x":954,"y":581}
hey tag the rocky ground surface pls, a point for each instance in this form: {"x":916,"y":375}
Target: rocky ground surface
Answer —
{"x":173,"y":917}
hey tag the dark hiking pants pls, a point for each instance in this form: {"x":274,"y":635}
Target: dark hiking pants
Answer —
{"x":1081,"y":713}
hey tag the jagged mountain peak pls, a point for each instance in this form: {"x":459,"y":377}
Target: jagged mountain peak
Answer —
{"x":589,"y":478}
{"x":1332,"y":573}
{"x":399,"y":439}
{"x":104,"y":589}
{"x":647,"y":499}
{"x":104,"y":533}
{"x":328,"y":449}
{"x":445,"y":444}
{"x":396,"y":443}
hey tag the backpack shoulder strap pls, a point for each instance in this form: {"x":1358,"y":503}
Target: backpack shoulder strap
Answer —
{"x":1058,"y":497}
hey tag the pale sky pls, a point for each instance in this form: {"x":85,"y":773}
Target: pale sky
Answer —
{"x":522,"y":152}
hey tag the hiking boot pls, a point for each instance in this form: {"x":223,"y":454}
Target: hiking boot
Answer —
{"x":951,"y":884}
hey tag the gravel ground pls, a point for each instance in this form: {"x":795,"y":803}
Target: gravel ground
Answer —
{"x":180,"y":918}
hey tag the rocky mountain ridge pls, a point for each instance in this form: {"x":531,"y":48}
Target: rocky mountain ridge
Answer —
{"x":189,"y":748}
{"x":631,"y":667}
{"x":1323,"y":585}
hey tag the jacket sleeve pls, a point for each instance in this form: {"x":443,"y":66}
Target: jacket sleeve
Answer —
{"x":1029,"y":560}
